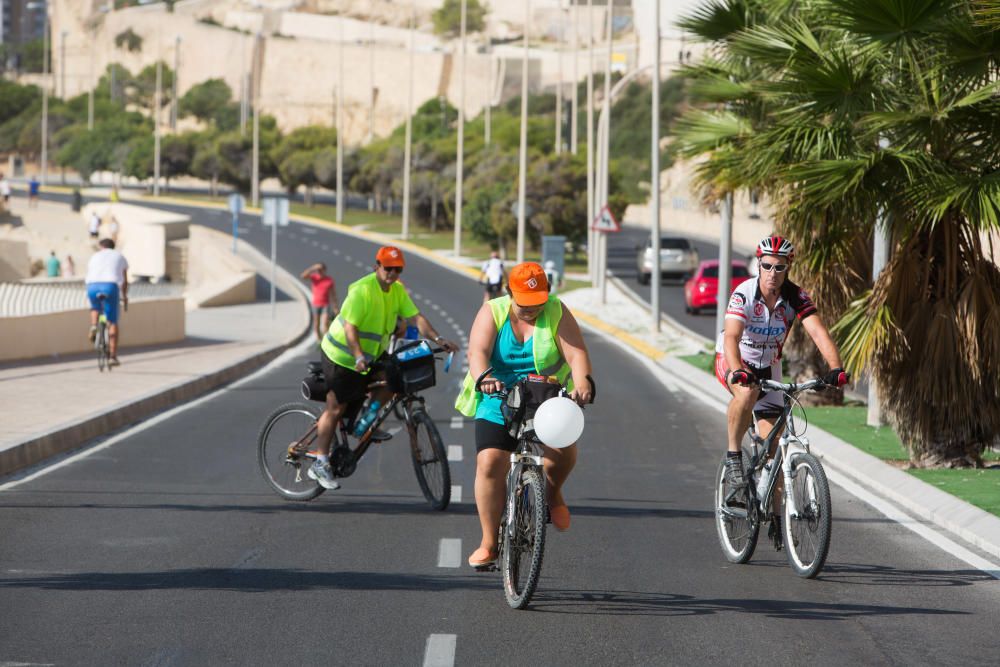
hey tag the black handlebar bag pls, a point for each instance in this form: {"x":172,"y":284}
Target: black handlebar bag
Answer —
{"x":411,"y":368}
{"x":522,"y":402}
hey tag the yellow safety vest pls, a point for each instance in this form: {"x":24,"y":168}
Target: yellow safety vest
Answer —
{"x":372,"y":336}
{"x":548,"y":358}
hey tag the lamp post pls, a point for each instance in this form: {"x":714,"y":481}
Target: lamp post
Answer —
{"x":409,"y":131}
{"x":157,"y":99}
{"x":255,"y":104}
{"x":604,"y":186}
{"x":45,"y":91}
{"x":522,"y":181}
{"x":340,"y":126}
{"x":591,"y":235}
{"x":173,"y":93}
{"x":460,"y":151}
{"x":574,"y":105}
{"x":654,"y":158}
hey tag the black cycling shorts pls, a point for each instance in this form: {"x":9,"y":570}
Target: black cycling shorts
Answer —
{"x":493,"y":289}
{"x":490,"y":435}
{"x":346,"y":384}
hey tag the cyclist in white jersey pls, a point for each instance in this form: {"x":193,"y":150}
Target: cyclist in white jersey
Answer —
{"x":759,"y":315}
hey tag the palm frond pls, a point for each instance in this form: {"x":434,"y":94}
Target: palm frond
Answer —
{"x":717,"y":20}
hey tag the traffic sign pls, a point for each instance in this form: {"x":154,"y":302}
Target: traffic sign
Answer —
{"x":605,"y":222}
{"x":275,"y":211}
{"x":235,"y":203}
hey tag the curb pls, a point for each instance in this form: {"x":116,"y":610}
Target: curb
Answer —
{"x":65,"y":439}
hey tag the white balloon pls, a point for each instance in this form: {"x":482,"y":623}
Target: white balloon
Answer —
{"x":559,"y":422}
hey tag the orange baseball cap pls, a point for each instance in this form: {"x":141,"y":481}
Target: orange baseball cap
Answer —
{"x":389,"y":255}
{"x":528,"y":284}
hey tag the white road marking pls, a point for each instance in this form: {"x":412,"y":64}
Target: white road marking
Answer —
{"x":450,"y":552}
{"x":335,"y":251}
{"x":440,"y":651}
{"x":456,"y":493}
{"x":454,"y":452}
{"x":307,"y":230}
{"x":325,"y":248}
{"x":315,"y":243}
{"x":457,"y":422}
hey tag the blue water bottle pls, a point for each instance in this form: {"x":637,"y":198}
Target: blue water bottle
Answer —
{"x":367,"y":419}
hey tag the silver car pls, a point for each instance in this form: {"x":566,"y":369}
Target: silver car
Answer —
{"x":677,"y":258}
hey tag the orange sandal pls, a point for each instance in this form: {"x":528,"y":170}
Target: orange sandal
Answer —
{"x":482,"y":557}
{"x":560,"y":517}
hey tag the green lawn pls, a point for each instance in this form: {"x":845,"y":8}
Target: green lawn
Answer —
{"x":978,"y":487}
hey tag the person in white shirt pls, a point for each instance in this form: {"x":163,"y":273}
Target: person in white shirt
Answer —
{"x":492,"y":276}
{"x":94,"y":226}
{"x":4,"y":193}
{"x":107,"y":274}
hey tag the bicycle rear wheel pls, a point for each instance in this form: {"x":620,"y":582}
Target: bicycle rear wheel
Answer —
{"x":524,"y":540}
{"x":807,"y":535}
{"x":430,"y":460}
{"x":282,"y":465}
{"x":737,"y":527}
{"x":102,"y":344}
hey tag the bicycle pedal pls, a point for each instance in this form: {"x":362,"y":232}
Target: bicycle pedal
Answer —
{"x":489,"y":567}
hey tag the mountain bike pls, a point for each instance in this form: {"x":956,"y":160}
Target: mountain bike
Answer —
{"x":801,"y":510}
{"x":521,"y":537}
{"x":285,"y":442}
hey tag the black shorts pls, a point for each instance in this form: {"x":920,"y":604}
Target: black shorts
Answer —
{"x":490,"y":435}
{"x":347,"y":385}
{"x":493,"y":289}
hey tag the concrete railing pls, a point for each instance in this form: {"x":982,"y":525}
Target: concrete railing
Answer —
{"x":150,"y":322}
{"x":39,"y":297}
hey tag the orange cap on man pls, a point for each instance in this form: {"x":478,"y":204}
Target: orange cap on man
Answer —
{"x":528,"y":284}
{"x":389,"y":255}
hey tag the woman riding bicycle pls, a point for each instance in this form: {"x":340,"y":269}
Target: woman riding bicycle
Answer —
{"x":525,"y":332}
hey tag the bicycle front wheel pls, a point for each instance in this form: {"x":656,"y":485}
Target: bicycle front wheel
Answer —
{"x":737,"y":526}
{"x":807,"y":534}
{"x":430,"y":460}
{"x":103,"y":346}
{"x":524,"y":539}
{"x":284,"y":439}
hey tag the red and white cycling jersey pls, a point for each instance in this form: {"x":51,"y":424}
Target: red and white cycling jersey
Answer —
{"x":764,"y":331}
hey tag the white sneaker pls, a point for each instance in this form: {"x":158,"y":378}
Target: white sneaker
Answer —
{"x":321,"y":473}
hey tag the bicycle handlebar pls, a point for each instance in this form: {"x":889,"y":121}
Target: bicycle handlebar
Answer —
{"x":792,"y":387}
{"x":503,"y":392}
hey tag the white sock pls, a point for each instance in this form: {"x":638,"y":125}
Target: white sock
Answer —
{"x":323,"y":458}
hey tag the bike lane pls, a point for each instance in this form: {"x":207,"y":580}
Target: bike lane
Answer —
{"x":180,"y":553}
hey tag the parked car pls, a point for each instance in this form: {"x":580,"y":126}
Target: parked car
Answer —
{"x":677,"y":258}
{"x":701,"y":289}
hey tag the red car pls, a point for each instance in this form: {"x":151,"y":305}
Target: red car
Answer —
{"x":701,"y":288}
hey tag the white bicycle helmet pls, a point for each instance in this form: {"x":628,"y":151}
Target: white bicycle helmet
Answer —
{"x":778,"y":246}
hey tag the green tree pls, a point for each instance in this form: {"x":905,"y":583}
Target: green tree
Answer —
{"x":128,"y":40}
{"x":851,"y":111}
{"x":295,"y":157}
{"x":15,"y":98}
{"x":206,"y":100}
{"x":448,"y":18}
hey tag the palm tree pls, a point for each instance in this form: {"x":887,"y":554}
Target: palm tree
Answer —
{"x":847,"y":112}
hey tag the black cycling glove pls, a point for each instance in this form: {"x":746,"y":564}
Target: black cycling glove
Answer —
{"x":837,"y":377}
{"x":740,"y":376}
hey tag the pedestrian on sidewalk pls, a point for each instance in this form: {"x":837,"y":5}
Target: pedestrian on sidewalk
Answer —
{"x":324,"y":298}
{"x":53,"y":267}
{"x":107,"y":274}
{"x":492,"y":276}
{"x":69,"y":267}
{"x":4,"y":193}
{"x":113,"y":228}
{"x":94,"y":225}
{"x":33,"y":188}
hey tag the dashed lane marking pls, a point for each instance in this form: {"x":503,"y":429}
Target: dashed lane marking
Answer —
{"x":456,"y":493}
{"x":449,"y":552}
{"x":454,"y":452}
{"x":440,"y":651}
{"x":457,"y":422}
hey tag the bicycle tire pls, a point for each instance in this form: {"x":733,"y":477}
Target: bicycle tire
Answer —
{"x":430,"y":460}
{"x":807,"y":537}
{"x":103,"y":347}
{"x":524,"y":540}
{"x":737,"y":536}
{"x":287,"y":477}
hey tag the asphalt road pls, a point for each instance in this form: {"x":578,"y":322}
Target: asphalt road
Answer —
{"x":167,"y":548}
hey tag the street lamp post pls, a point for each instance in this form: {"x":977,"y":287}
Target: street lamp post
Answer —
{"x":62,"y":64}
{"x":255,"y":104}
{"x":574,"y":105}
{"x":409,"y":131}
{"x":340,"y":126}
{"x":523,"y":157}
{"x":177,"y":71}
{"x":605,"y":184}
{"x":654,"y":300}
{"x":591,"y":235}
{"x":460,"y":151}
{"x":157,"y":99}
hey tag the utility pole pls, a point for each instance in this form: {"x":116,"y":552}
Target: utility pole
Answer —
{"x":605,"y":153}
{"x":255,"y":84}
{"x":522,"y":177}
{"x":244,"y":90}
{"x":62,"y":62}
{"x":371,"y":81}
{"x":574,"y":106}
{"x":654,"y":159}
{"x":725,"y":261}
{"x":591,"y":235}
{"x":340,"y":126}
{"x":559,"y":99}
{"x":45,"y":98}
{"x":177,"y":71}
{"x":489,"y":91}
{"x":409,"y":130}
{"x":880,"y":257}
{"x":157,"y":100}
{"x":93,"y":84}
{"x":460,"y":152}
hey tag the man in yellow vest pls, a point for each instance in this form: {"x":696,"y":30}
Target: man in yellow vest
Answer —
{"x":356,"y":338}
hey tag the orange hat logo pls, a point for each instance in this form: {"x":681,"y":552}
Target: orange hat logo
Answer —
{"x":532,"y":283}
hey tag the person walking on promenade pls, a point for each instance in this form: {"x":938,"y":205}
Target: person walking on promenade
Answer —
{"x":94,"y":225}
{"x":33,"y":188}
{"x":107,"y":274}
{"x":325,"y":305}
{"x":69,"y":267}
{"x":53,"y":267}
{"x":4,"y":193}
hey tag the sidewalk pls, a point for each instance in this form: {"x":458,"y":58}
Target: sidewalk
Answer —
{"x":623,"y":319}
